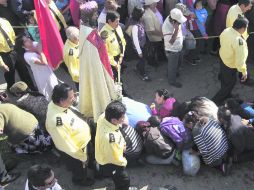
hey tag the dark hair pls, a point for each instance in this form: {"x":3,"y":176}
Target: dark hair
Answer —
{"x":163,"y":92}
{"x":137,"y":13}
{"x":179,"y":110}
{"x":60,"y":92}
{"x":115,"y":110}
{"x":28,"y":16}
{"x":196,"y":2}
{"x":224,"y":113}
{"x":240,"y":22}
{"x":37,"y":175}
{"x":112,"y":16}
{"x":244,"y":2}
{"x":154,"y":121}
{"x":191,"y":117}
{"x":19,"y":42}
{"x":142,"y":126}
{"x":234,"y":105}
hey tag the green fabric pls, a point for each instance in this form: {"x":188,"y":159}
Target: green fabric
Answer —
{"x":16,"y":123}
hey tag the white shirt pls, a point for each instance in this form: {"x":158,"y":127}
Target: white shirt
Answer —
{"x":55,"y":187}
{"x":102,"y":19}
{"x":134,"y":33}
{"x":168,"y":30}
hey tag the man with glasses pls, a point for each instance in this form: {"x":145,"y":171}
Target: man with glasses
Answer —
{"x":70,"y":134}
{"x":41,"y":178}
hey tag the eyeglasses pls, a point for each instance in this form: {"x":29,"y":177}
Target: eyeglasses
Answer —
{"x":52,"y":182}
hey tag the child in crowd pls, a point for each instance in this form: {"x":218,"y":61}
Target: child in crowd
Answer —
{"x":201,"y":17}
{"x":64,"y":8}
{"x":32,"y":27}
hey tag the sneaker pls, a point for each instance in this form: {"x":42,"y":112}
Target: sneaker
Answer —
{"x":146,"y":78}
{"x":176,"y":84}
{"x":133,"y":188}
{"x":10,"y":177}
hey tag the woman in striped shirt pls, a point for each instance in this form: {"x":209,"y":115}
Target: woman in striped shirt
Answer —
{"x":210,"y":140}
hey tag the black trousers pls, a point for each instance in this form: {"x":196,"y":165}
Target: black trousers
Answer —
{"x":141,"y":63}
{"x":228,"y":79}
{"x":11,"y":59}
{"x":3,"y":171}
{"x":118,"y":174}
{"x":76,"y":166}
{"x":155,"y":53}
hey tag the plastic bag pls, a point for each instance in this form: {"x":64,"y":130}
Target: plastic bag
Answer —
{"x":189,"y":42}
{"x":191,"y":163}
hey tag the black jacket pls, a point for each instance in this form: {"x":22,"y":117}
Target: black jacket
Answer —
{"x":240,"y":136}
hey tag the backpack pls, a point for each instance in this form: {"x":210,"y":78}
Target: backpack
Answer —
{"x":157,"y":144}
{"x":173,"y":128}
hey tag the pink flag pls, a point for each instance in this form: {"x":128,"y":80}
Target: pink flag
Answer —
{"x":75,"y":12}
{"x":52,"y":44}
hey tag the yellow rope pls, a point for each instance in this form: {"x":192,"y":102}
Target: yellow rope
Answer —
{"x":24,"y":26}
{"x":198,"y":38}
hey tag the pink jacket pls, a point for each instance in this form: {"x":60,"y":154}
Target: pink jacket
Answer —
{"x":166,"y":108}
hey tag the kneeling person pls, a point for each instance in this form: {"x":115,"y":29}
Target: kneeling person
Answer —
{"x":70,"y":134}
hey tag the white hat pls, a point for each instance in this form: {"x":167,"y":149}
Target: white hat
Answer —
{"x":177,"y":15}
{"x":149,"y":2}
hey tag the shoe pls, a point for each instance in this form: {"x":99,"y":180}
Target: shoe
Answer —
{"x":191,"y":62}
{"x":146,"y":78}
{"x":83,"y":182}
{"x":226,"y":167}
{"x":133,"y":188}
{"x":196,"y":59}
{"x":10,"y":177}
{"x":215,"y":53}
{"x":176,"y":84}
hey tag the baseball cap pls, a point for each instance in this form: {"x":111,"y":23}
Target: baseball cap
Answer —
{"x":149,"y":2}
{"x":177,"y":15}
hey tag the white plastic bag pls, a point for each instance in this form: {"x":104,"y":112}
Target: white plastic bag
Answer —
{"x":189,"y":42}
{"x":191,"y":163}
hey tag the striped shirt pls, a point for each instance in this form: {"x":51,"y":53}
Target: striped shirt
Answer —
{"x":134,"y":142}
{"x":211,"y":141}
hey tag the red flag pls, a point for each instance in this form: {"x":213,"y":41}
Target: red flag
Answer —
{"x":52,"y":44}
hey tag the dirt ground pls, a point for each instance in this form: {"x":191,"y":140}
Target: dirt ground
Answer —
{"x":197,"y":80}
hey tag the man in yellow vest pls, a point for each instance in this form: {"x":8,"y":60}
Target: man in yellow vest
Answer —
{"x":70,"y":134}
{"x":237,"y":10}
{"x":233,"y":54}
{"x":8,"y":56}
{"x":110,"y":146}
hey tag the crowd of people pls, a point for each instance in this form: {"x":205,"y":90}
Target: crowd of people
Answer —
{"x":97,"y":128}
